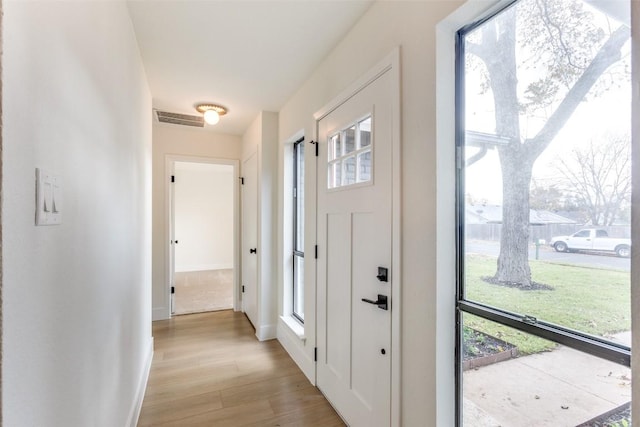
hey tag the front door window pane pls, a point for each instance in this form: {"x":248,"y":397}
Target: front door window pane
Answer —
{"x":364,"y":166}
{"x":335,"y":174}
{"x":335,"y":148}
{"x":365,"y":132}
{"x":349,"y":140}
{"x":352,"y":165}
{"x":349,"y":170}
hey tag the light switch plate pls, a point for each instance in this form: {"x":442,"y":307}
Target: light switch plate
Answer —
{"x":48,"y":198}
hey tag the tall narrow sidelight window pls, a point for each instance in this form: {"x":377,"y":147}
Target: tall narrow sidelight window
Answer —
{"x":543,"y":129}
{"x":298,"y":230}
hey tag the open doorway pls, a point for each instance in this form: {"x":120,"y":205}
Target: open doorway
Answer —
{"x":204,"y":236}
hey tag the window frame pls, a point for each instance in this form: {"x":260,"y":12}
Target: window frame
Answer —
{"x":577,"y":340}
{"x":296,"y":252}
{"x":340,"y":158}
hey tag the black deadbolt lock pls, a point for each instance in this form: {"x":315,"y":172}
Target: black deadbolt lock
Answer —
{"x":383,"y":274}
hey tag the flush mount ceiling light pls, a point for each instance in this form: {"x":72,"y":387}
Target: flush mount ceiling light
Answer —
{"x":212,"y":112}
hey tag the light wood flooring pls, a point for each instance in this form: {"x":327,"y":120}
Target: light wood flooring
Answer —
{"x":210,"y":370}
{"x":200,"y":291}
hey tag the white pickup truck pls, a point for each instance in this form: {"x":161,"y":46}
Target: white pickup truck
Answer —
{"x":592,"y":240}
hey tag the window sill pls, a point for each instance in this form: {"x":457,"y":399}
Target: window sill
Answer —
{"x":295,"y":327}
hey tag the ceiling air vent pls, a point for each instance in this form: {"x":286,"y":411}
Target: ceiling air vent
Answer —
{"x":180,"y":119}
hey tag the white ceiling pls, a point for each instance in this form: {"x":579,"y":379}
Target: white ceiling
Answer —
{"x":248,"y":56}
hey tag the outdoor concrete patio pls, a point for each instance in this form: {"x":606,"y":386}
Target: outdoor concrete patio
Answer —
{"x":564,"y":387}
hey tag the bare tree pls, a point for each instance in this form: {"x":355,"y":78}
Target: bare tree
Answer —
{"x":550,"y":197}
{"x":571,"y":53}
{"x":599,"y":177}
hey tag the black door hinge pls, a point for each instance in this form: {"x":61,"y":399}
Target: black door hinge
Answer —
{"x":243,"y":289}
{"x":316,"y":144}
{"x":173,"y":289}
{"x":316,"y":252}
{"x":241,"y":180}
{"x":315,"y":354}
{"x":173,"y":178}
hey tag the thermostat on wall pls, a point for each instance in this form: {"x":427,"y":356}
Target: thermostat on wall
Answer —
{"x":48,"y":198}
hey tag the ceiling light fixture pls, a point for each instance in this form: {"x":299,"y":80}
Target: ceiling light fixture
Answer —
{"x":212,"y":112}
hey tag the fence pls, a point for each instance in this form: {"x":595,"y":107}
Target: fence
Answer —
{"x":545,"y":232}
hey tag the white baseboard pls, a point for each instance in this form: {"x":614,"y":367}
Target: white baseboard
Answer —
{"x":203,"y":267}
{"x":134,"y":413}
{"x":296,"y":347}
{"x":267,"y":332}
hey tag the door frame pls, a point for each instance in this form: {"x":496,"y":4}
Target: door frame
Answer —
{"x":170,"y":160}
{"x":391,"y":64}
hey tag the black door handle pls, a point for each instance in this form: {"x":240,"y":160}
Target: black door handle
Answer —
{"x":253,"y":251}
{"x":381,"y":302}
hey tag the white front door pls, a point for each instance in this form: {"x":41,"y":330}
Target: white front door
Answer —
{"x":250,"y":238}
{"x":354,"y":241}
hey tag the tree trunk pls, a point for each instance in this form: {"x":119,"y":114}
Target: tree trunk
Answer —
{"x":513,"y":262}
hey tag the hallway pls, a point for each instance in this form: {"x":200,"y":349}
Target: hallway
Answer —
{"x":209,"y":369}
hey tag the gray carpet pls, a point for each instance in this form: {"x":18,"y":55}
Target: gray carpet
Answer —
{"x":199,"y":291}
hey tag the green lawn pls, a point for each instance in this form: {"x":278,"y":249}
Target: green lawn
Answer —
{"x":595,"y":301}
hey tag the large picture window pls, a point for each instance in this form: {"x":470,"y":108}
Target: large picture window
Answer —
{"x":298,"y":230}
{"x":543,"y":212}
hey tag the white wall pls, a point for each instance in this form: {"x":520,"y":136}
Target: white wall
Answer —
{"x":174,"y":140}
{"x":204,"y":209}
{"x":267,"y":224}
{"x":262,"y":137}
{"x":77,"y":314}
{"x":411,"y":25}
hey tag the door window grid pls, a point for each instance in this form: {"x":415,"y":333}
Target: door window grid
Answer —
{"x":298,"y":231}
{"x":350,"y":155}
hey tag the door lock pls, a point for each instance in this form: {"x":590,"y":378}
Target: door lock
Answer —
{"x":253,"y":250}
{"x":381,"y":302}
{"x":383,"y":274}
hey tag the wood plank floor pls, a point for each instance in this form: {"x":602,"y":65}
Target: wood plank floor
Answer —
{"x":210,"y":370}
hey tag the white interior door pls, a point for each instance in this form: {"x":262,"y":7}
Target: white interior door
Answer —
{"x":250,"y":238}
{"x":172,"y":244}
{"x":354,"y":240}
